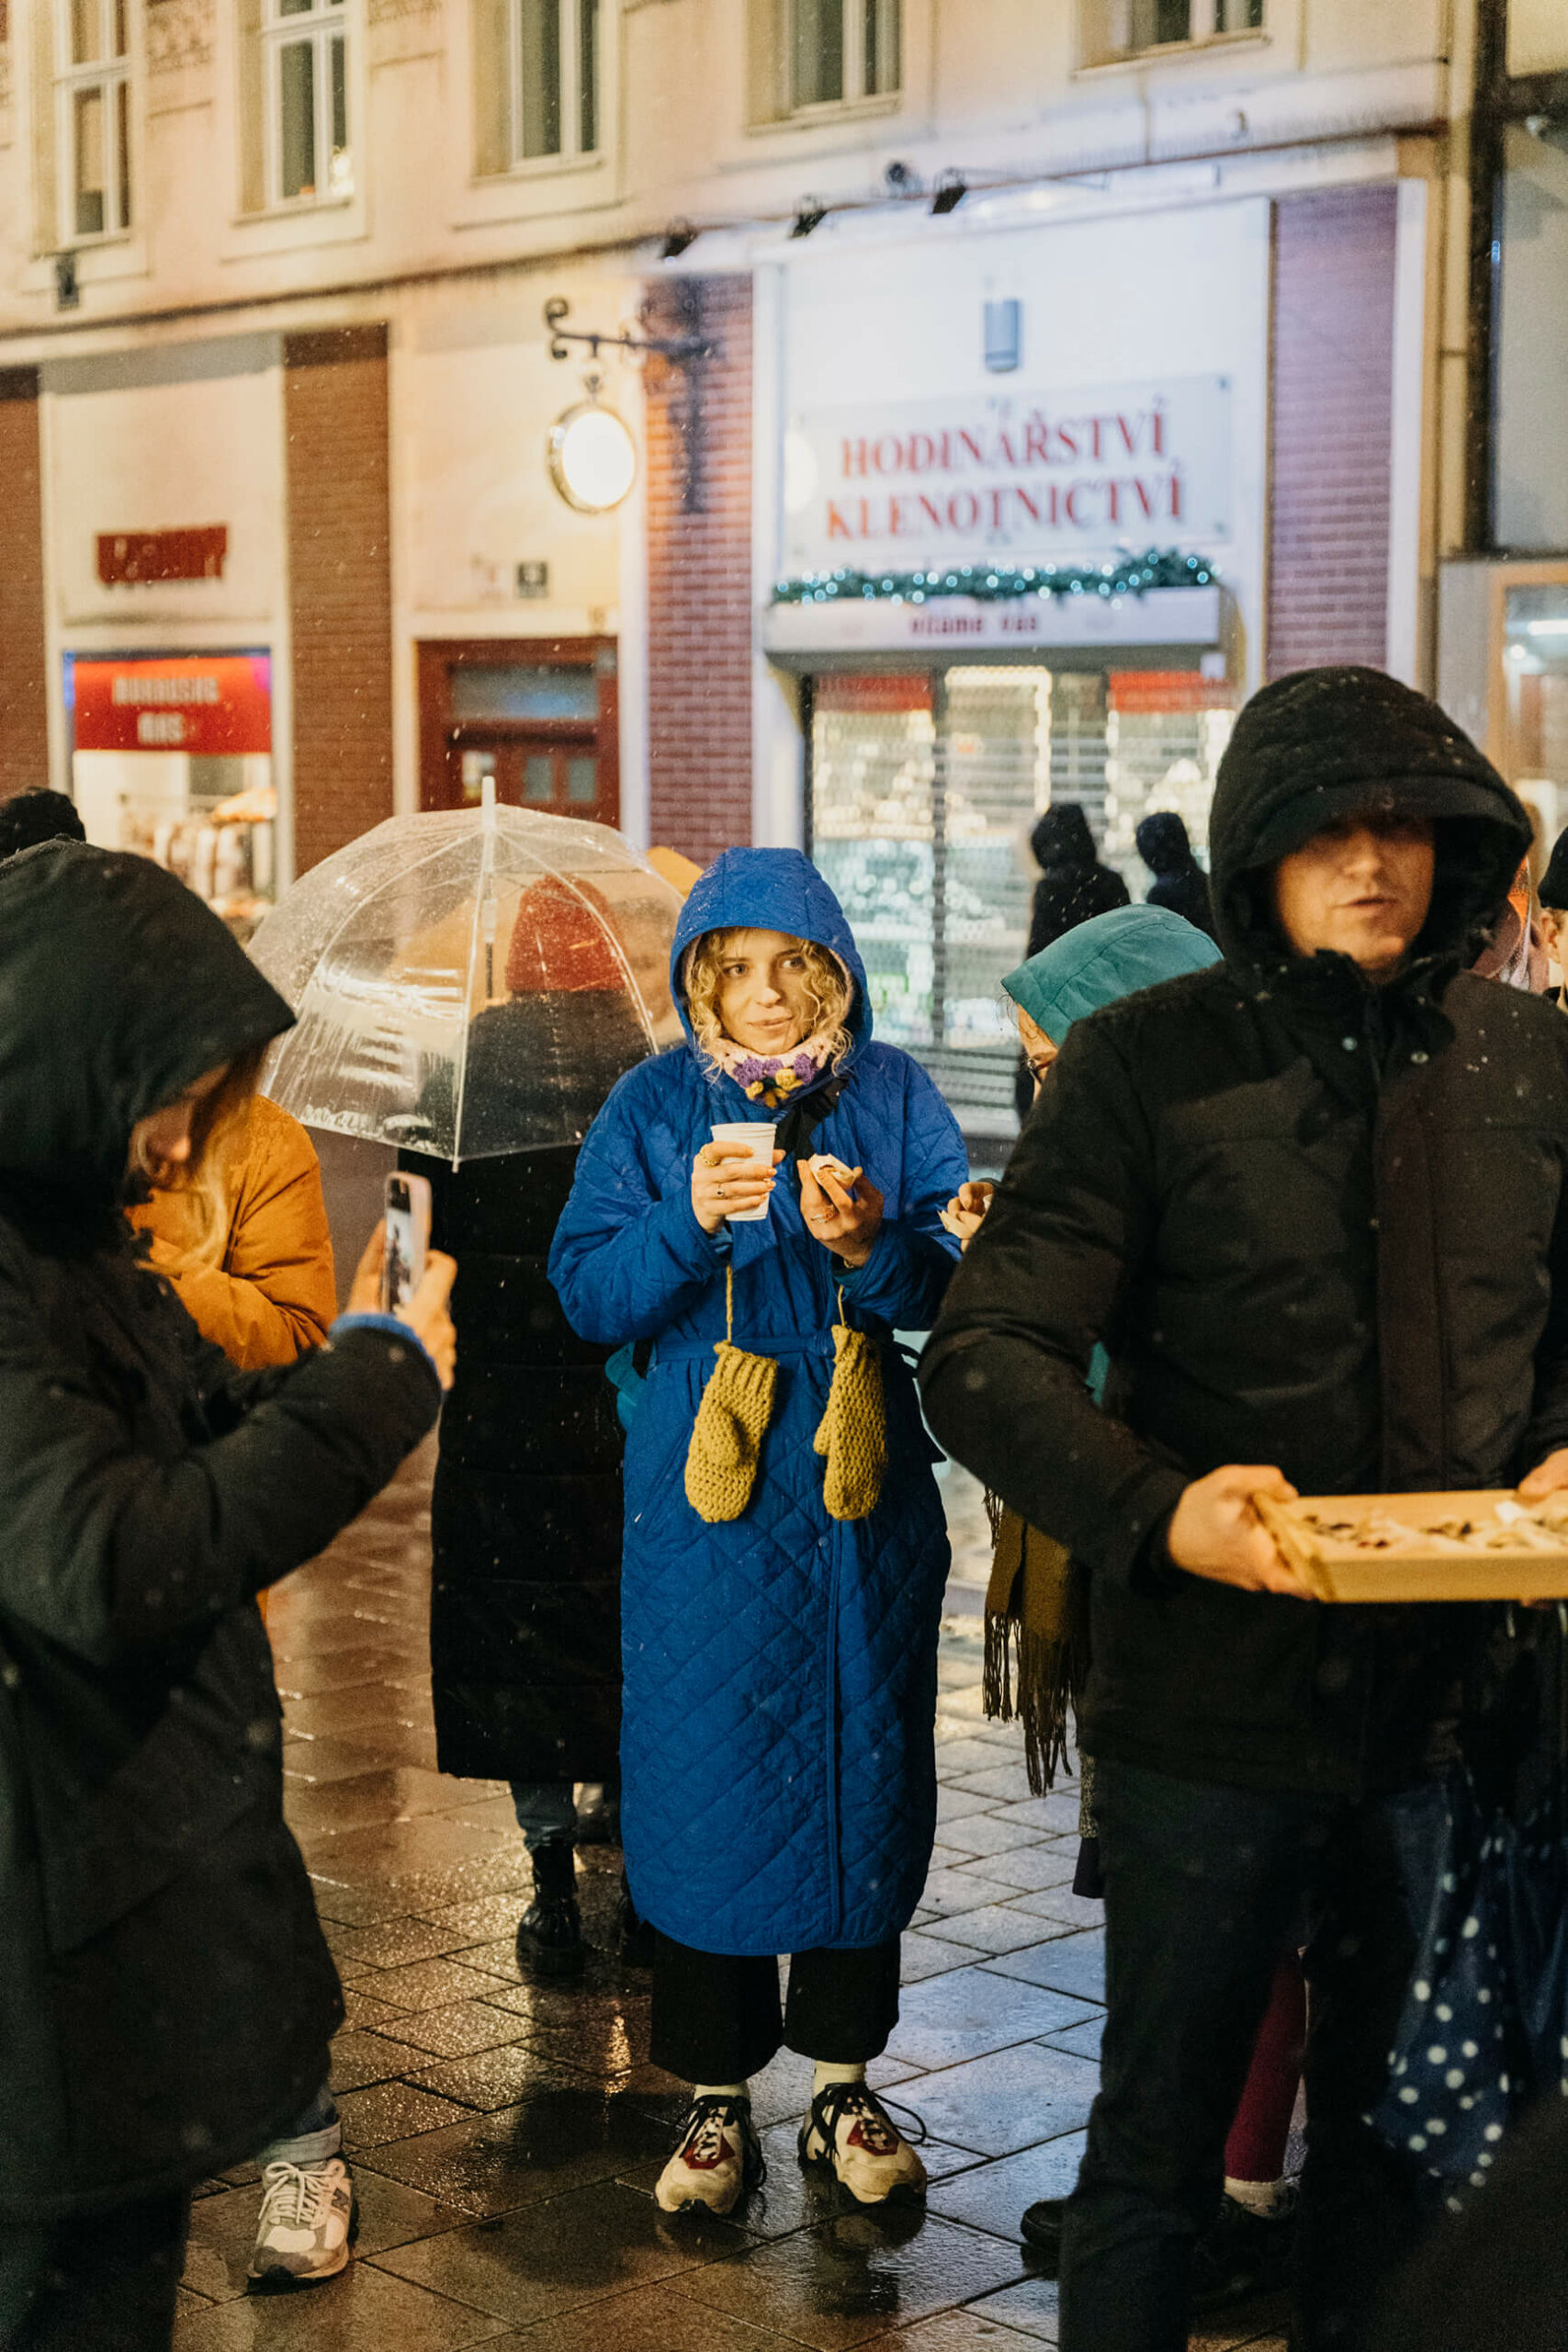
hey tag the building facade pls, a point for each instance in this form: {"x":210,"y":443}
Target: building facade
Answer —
{"x":1029,"y":383}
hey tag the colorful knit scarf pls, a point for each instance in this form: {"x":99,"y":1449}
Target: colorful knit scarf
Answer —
{"x":772,"y":1078}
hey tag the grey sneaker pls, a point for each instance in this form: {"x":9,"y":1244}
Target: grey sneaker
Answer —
{"x":309,"y":2220}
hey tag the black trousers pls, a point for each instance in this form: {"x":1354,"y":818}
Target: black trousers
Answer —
{"x":101,"y":2282}
{"x":717,"y":2018}
{"x":1202,"y":1886}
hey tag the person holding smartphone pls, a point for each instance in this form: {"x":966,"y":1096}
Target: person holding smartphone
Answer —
{"x":166,"y":1997}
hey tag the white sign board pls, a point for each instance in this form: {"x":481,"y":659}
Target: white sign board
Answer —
{"x":908,"y":485}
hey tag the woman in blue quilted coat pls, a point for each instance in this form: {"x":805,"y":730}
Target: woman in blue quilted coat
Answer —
{"x":778,"y":1768}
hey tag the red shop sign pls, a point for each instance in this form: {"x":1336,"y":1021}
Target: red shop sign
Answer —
{"x":213,"y":704}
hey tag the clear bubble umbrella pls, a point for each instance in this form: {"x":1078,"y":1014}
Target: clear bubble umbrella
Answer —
{"x":469,"y":982}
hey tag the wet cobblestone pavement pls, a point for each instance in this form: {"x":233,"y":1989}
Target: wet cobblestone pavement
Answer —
{"x":506,"y":2132}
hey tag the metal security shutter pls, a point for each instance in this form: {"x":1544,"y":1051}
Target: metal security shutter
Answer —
{"x":873,"y":764}
{"x":1165,"y":730}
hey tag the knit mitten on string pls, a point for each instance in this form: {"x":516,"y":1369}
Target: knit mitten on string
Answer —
{"x":732,"y":1420}
{"x":852,"y":1433}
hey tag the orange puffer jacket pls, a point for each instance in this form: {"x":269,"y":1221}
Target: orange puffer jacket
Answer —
{"x":270,"y":1294}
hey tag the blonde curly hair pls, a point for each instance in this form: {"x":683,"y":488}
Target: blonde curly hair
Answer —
{"x":828,"y":984}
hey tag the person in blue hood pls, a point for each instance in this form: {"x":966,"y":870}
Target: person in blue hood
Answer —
{"x":778,"y":1766}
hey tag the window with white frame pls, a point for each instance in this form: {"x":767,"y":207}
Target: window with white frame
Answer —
{"x":305,"y":102}
{"x":1119,"y":29}
{"x":832,"y":52}
{"x":552,"y":78}
{"x":93,"y":96}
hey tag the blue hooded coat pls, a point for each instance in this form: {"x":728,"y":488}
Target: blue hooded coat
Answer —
{"x":778,"y":1766}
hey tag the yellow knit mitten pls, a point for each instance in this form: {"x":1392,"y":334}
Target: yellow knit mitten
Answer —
{"x":732,"y":1419}
{"x":853,"y":1429}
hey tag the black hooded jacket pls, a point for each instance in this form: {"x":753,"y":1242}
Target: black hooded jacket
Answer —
{"x":1316,"y":1224}
{"x":1179,"y":882}
{"x":1073,"y":885}
{"x":166,"y":1996}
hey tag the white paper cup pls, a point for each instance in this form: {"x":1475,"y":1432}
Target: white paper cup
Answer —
{"x":759,"y":1141}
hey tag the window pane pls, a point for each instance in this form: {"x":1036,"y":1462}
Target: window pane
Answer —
{"x":1155,"y":21}
{"x":90,"y":191}
{"x":582,"y":778}
{"x":819,"y":51}
{"x":121,"y":28}
{"x":882,"y":46}
{"x":588,"y":74}
{"x":1237,"y":16}
{"x":538,"y":60}
{"x":297,"y":117}
{"x":86,"y":32}
{"x":294,"y":8}
{"x":493,"y":690}
{"x":122,"y":126}
{"x":1529,"y":446}
{"x":537,"y":779}
{"x":342,"y":166}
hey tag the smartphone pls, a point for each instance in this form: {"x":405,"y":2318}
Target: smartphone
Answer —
{"x":406,"y":1239}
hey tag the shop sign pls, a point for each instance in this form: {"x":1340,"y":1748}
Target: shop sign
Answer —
{"x":1073,"y":473}
{"x":139,"y":557}
{"x":215,"y":705}
{"x":947,"y":627}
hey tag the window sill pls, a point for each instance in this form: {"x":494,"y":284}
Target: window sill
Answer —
{"x":296,"y":228}
{"x":1170,"y":52}
{"x":532,"y":168}
{"x":824,"y":117}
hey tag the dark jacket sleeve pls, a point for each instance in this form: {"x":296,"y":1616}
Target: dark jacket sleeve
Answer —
{"x":106,"y":1548}
{"x":1549,"y":1421}
{"x":1003,"y":1377}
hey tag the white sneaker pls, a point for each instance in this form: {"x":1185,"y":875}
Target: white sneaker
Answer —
{"x":851,"y":2132}
{"x":719,"y":2158}
{"x":308,"y":2221}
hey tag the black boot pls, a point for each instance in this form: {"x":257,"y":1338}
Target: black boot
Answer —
{"x":549,"y":1934}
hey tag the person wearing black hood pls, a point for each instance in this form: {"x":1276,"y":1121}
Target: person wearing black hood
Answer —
{"x":1073,"y":884}
{"x":1313,"y":1201}
{"x":1179,"y":881}
{"x":166,"y":1997}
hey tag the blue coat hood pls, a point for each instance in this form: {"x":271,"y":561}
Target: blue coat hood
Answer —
{"x":771,"y":889}
{"x":1112,"y":957}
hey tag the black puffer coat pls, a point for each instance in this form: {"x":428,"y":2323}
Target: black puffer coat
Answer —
{"x":1316,"y":1224}
{"x":525,"y":1518}
{"x":166,"y":1996}
{"x":1073,"y":885}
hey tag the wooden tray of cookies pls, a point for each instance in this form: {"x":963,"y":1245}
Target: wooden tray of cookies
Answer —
{"x":1481,"y":1545}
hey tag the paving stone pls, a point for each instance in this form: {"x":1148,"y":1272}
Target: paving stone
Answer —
{"x":995,"y":1927}
{"x":1073,"y":1963}
{"x":377,"y":1851}
{"x":390,"y":2111}
{"x":1083,"y":2041}
{"x":848,"y":2281}
{"x":965,"y":1754}
{"x":491,"y":2164}
{"x":370,"y":1667}
{"x":433,"y":1983}
{"x":993,"y":2196}
{"x":1009,"y":2098}
{"x":1030,"y":2306}
{"x":389,"y":1943}
{"x":492,"y":2078}
{"x":457,"y":2032}
{"x":546,"y":2258}
{"x":652,"y":2319}
{"x":960,"y":2331}
{"x":1060,"y":1903}
{"x":345,"y":1714}
{"x":364,"y":2307}
{"x":333,"y":1758}
{"x":361,"y":2058}
{"x":223,"y":2229}
{"x":924,"y":1956}
{"x":949,"y":1891}
{"x":977,"y":1835}
{"x":969,"y":2011}
{"x":957,"y":1804}
{"x":477,"y":1922}
{"x":1025,"y":1869}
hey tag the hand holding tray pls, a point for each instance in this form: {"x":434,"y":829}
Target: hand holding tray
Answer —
{"x":1478,"y":1545}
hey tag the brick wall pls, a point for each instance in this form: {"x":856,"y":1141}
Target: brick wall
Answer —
{"x":340,"y":586}
{"x":699,"y":582}
{"x":24,"y":705}
{"x":1330,"y":427}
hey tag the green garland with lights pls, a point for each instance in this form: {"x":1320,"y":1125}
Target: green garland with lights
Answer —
{"x":1000,"y":583}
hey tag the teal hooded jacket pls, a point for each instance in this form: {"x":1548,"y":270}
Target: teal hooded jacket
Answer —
{"x":1112,"y":957}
